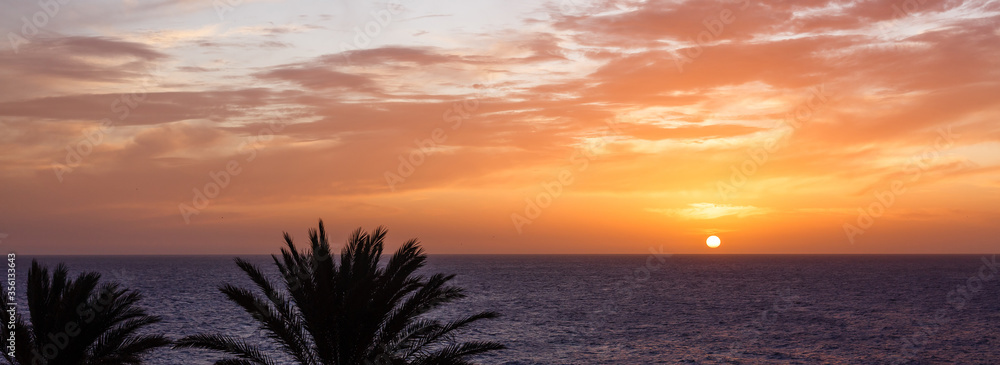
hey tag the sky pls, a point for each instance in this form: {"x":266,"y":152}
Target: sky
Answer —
{"x":505,"y":127}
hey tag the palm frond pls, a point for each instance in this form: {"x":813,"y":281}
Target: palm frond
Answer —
{"x":226,"y":344}
{"x":457,"y":354}
{"x":91,"y":323}
{"x":120,"y":337}
{"x":446,"y":333}
{"x":286,"y":330}
{"x":349,"y":309}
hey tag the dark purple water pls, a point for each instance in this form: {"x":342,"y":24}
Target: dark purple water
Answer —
{"x":651,"y":310}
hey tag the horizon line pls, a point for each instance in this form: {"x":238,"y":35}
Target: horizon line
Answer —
{"x":542,"y":254}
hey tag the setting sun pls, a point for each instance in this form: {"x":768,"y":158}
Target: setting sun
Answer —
{"x":713,"y":241}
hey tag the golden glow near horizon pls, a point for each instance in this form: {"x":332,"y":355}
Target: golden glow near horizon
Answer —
{"x":499,"y":127}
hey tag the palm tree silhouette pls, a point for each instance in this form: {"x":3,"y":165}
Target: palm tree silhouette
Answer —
{"x":353,"y":313}
{"x":78,"y":322}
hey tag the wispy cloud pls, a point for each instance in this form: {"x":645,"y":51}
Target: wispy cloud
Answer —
{"x":710,"y":211}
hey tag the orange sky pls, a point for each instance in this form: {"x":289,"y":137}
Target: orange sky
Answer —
{"x":502,"y":127}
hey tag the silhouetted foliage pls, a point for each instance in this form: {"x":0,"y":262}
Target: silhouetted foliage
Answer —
{"x":79,"y":322}
{"x":354,"y":312}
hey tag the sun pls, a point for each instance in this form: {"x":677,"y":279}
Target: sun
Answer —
{"x":713,"y":241}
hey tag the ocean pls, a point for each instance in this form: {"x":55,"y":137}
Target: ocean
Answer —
{"x":646,"y":309}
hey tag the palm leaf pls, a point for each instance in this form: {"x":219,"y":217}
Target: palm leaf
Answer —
{"x":348,"y":311}
{"x":91,"y":323}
